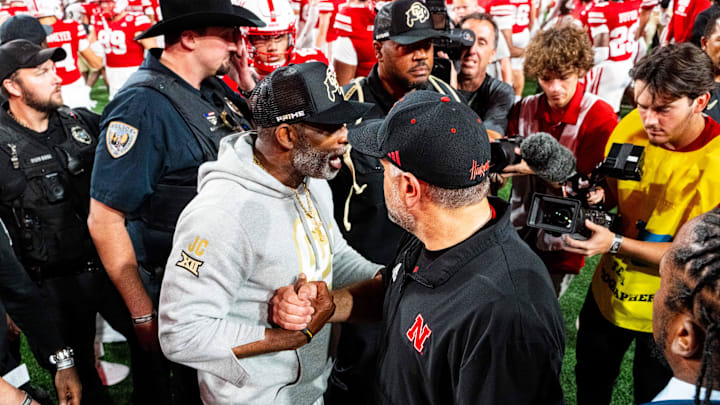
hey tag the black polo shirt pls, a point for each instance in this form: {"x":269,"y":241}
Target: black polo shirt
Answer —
{"x":479,"y":325}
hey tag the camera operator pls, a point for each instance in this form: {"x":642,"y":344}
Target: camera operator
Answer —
{"x":672,"y":87}
{"x":580,"y":121}
{"x":491,"y":99}
{"x":499,"y":66}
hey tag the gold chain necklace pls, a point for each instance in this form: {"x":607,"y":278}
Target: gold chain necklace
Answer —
{"x":308,"y":210}
{"x":257,"y":162}
{"x":317,"y":231}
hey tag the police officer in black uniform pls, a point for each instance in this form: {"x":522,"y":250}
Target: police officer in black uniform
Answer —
{"x":46,"y":157}
{"x":163,"y":124}
{"x":403,"y":35}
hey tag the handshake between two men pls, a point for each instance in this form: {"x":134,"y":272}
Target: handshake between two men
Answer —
{"x":306,"y":307}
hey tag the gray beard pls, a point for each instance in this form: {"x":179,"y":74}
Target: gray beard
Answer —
{"x":310,"y":162}
{"x":396,"y":213}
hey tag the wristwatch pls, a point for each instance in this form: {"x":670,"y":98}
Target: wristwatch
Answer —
{"x":27,"y":400}
{"x":63,"y":359}
{"x":617,"y":241}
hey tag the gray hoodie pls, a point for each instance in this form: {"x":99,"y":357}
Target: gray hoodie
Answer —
{"x":241,"y":238}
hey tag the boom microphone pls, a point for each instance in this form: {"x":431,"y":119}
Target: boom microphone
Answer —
{"x":549,"y":160}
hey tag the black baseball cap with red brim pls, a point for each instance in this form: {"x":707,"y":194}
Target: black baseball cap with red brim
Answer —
{"x":439,"y":140}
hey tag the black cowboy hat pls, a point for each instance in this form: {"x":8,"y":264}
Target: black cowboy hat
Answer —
{"x":180,"y":15}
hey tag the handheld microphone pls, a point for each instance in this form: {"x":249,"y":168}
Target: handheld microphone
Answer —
{"x":549,"y":160}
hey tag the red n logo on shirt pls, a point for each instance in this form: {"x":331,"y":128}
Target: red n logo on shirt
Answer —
{"x":418,"y":333}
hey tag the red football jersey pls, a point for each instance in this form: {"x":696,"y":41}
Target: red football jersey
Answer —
{"x":684,"y":13}
{"x":92,"y":11}
{"x":511,"y":12}
{"x":649,"y":3}
{"x":303,"y":8}
{"x":580,"y":11}
{"x":72,"y":37}
{"x":156,"y":9}
{"x":117,"y":37}
{"x":620,"y":21}
{"x":330,"y":7}
{"x":141,"y":7}
{"x":308,"y":55}
{"x":356,"y":22}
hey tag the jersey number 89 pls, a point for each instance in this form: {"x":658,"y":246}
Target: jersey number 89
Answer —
{"x":113,"y":41}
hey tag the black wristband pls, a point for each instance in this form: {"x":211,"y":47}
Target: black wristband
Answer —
{"x":308,"y":334}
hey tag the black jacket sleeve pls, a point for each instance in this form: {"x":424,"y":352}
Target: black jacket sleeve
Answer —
{"x":501,"y":99}
{"x":27,"y":306}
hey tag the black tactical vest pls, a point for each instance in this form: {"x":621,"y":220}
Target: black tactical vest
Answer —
{"x":49,"y":195}
{"x":174,"y":191}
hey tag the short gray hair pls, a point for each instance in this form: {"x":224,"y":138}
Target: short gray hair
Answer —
{"x":451,"y":198}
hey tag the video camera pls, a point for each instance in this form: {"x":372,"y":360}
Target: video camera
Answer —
{"x":458,"y":40}
{"x":567,"y":215}
{"x":502,"y":153}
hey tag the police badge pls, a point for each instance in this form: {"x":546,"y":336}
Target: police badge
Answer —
{"x":80,"y":135}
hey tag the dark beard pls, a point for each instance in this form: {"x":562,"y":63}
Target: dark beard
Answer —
{"x":223,"y":69}
{"x":410,"y":86}
{"x":44,"y":106}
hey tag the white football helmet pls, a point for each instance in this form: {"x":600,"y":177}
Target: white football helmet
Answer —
{"x":279,"y":20}
{"x":44,"y":8}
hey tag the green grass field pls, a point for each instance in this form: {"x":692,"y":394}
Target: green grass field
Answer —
{"x":570,"y":303}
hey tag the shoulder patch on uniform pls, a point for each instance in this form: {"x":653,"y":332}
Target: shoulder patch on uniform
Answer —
{"x":120,"y":138}
{"x":190,"y":264}
{"x":81,"y":135}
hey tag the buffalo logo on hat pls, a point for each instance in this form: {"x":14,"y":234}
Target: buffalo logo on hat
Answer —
{"x":417,"y":12}
{"x":331,"y":84}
